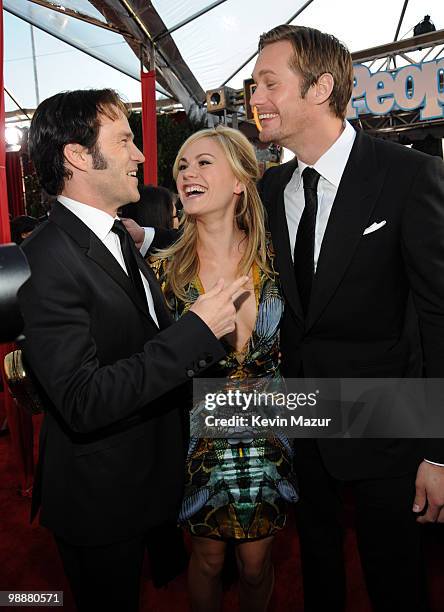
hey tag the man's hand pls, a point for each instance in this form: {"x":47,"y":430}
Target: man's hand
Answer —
{"x":216,"y":308}
{"x":430,"y":491}
{"x":136,"y":232}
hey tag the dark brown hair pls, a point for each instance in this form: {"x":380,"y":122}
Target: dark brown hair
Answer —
{"x":69,"y":117}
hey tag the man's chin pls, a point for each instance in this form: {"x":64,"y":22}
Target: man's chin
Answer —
{"x":134,"y":197}
{"x":266,"y":136}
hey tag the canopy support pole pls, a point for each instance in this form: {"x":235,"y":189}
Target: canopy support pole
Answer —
{"x":5,"y":233}
{"x":149,"y":120}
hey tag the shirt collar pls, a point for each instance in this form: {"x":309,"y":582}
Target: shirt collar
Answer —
{"x":332,"y":163}
{"x":98,"y":221}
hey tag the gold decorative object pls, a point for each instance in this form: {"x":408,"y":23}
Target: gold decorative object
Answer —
{"x":20,"y":384}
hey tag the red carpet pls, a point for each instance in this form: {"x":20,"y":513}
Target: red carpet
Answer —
{"x":29,"y":561}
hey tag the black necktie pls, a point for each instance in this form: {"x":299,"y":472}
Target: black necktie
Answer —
{"x":130,"y":259}
{"x":305,"y":238}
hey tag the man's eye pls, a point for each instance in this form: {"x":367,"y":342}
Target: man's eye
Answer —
{"x":270,"y":85}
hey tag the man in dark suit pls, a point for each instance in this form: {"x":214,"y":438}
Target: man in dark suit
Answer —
{"x":100,"y":343}
{"x":358,"y":228}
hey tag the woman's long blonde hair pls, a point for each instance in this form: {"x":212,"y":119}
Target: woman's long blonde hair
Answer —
{"x":182,"y":259}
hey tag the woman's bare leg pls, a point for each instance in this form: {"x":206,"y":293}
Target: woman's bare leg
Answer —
{"x":256,"y":574}
{"x":204,"y":574}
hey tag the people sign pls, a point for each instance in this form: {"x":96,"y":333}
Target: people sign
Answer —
{"x":408,"y":88}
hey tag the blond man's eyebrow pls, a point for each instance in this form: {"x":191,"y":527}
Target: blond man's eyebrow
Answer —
{"x":263,"y":72}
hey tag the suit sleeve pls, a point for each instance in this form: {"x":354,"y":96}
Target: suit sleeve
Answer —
{"x":423,"y":249}
{"x":62,"y":354}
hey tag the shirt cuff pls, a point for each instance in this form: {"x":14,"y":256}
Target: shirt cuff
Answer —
{"x":434,"y":463}
{"x":147,"y":241}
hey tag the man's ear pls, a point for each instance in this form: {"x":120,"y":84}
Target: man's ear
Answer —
{"x":322,"y":89}
{"x":76,"y":156}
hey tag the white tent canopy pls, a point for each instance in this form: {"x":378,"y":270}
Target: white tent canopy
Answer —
{"x":210,"y":48}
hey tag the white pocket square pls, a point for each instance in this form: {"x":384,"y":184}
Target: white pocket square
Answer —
{"x":373,"y":227}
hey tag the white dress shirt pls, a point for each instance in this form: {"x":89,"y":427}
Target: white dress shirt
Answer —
{"x":100,"y":223}
{"x":331,"y":168}
{"x":147,"y":241}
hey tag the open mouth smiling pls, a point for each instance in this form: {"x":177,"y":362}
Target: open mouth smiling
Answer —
{"x":194,"y":191}
{"x":260,"y":117}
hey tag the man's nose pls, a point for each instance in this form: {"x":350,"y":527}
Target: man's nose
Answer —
{"x":138,"y":156}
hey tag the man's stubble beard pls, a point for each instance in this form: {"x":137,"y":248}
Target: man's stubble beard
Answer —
{"x":98,"y":160}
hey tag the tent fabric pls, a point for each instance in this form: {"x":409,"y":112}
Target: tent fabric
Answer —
{"x":200,"y":55}
{"x":60,"y":66}
{"x":217,"y":43}
{"x":172,"y":72}
{"x":102,"y":44}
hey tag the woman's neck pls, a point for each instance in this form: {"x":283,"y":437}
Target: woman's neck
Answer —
{"x":219,"y":241}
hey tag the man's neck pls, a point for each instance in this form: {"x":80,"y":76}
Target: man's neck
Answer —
{"x":89,"y":200}
{"x":314,"y":142}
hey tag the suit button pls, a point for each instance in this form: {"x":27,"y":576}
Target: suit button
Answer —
{"x":202,"y":363}
{"x":190,"y":373}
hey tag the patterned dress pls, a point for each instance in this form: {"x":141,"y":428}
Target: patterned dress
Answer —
{"x":236,"y":489}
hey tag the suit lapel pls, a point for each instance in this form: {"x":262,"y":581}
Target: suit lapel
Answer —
{"x":97,"y":252}
{"x":357,"y":195}
{"x":160,"y":306}
{"x":279,"y":232}
{"x":100,"y":254}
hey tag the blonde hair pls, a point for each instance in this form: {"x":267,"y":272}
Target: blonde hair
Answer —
{"x":315,"y":53}
{"x":182,"y":265}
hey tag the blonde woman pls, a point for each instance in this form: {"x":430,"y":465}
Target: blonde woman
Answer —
{"x":235,"y":492}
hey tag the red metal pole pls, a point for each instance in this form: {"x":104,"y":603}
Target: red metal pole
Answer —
{"x":5,"y":233}
{"x":149,"y":126}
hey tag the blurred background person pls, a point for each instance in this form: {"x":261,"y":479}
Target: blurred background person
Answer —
{"x":156,"y":208}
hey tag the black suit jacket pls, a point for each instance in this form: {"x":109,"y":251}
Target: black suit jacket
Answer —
{"x":114,"y":437}
{"x":360,"y":322}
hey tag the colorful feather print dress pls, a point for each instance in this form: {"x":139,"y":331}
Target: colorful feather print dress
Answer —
{"x":236,"y":489}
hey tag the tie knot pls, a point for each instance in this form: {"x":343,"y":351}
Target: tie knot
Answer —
{"x":311,"y":178}
{"x":118,"y":228}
